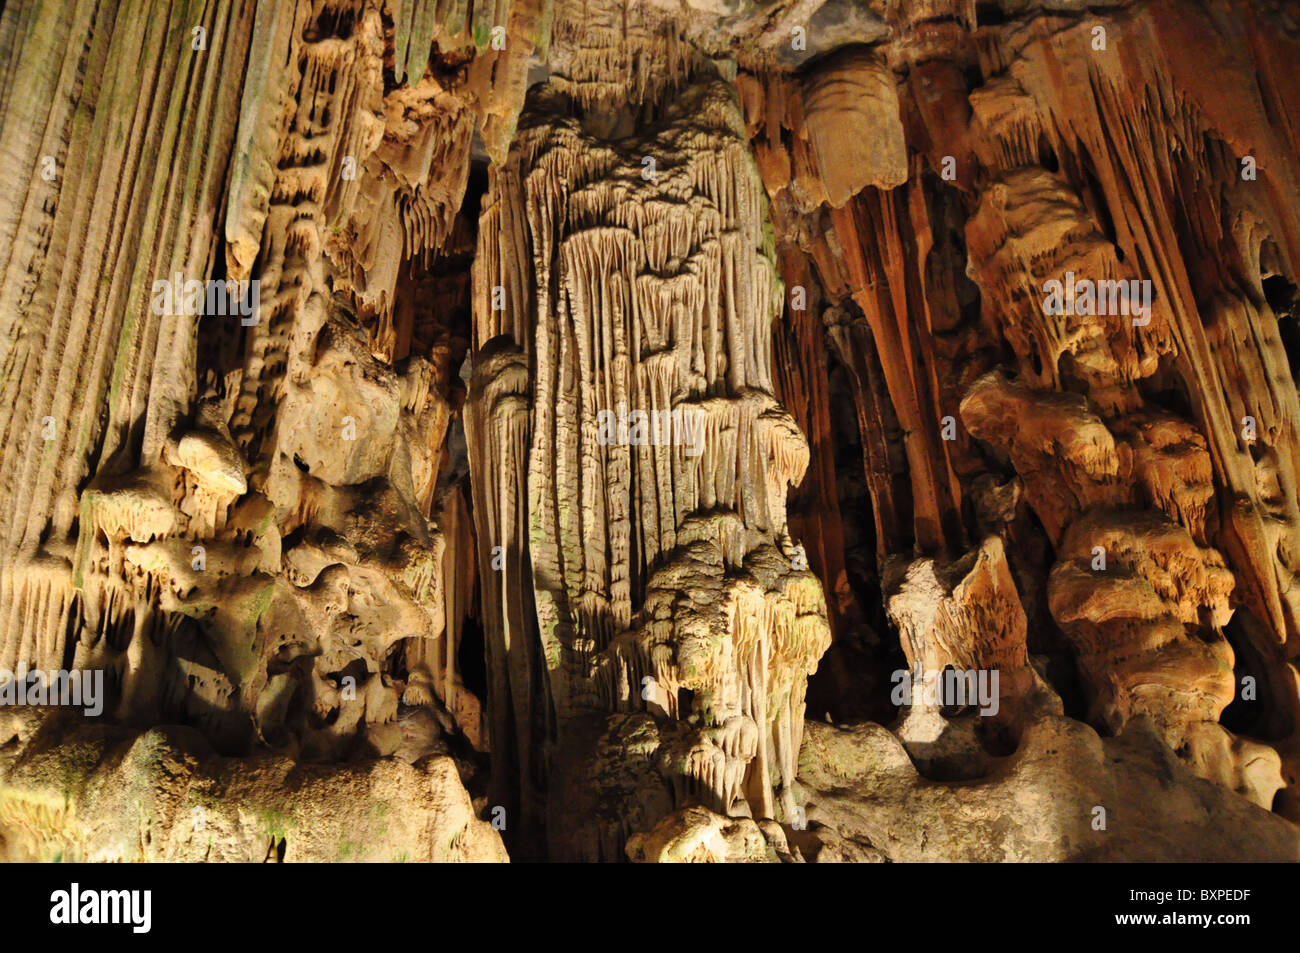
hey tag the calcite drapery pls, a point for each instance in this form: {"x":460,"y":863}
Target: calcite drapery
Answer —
{"x":1047,"y":149}
{"x":620,"y":278}
{"x":233,"y":514}
{"x":599,"y":343}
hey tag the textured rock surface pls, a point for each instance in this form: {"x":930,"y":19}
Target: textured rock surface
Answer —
{"x":636,"y":392}
{"x":88,"y":794}
{"x":866,"y":798}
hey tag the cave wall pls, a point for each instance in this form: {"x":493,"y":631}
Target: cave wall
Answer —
{"x":633,"y":385}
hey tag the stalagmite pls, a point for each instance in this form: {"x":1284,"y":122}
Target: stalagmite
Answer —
{"x":647,"y":271}
{"x":711,"y":431}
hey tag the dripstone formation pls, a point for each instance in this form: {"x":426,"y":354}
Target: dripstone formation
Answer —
{"x":607,"y":430}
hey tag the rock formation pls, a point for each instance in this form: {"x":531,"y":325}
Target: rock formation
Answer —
{"x":763,"y":431}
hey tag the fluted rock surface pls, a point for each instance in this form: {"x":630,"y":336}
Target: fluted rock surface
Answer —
{"x":613,"y":430}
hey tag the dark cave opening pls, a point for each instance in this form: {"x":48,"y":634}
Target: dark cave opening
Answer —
{"x":1257,"y":708}
{"x":1283,"y":297}
{"x":471,"y":658}
{"x":852,"y":679}
{"x":990,"y":13}
{"x":1047,"y":155}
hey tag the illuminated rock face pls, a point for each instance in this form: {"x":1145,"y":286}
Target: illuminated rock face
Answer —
{"x":633,"y":279}
{"x":543,"y":417}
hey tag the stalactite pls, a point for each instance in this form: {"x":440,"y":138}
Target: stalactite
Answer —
{"x":594,"y":416}
{"x":652,"y":436}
